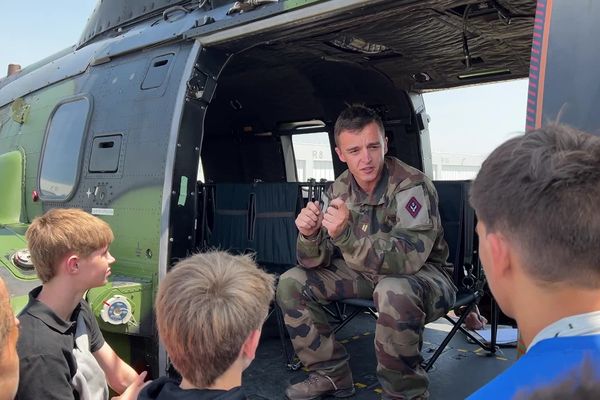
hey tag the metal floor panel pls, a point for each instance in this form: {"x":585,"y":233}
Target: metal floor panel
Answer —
{"x":461,"y":369}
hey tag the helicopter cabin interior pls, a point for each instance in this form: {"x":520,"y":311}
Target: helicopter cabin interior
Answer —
{"x":295,"y":80}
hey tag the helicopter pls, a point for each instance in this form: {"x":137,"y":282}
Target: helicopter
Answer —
{"x":159,"y":101}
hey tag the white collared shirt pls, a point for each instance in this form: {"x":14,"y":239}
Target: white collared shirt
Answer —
{"x":575,"y":325}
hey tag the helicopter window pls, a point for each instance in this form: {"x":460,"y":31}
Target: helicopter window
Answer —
{"x":313,"y":156}
{"x":62,"y":150}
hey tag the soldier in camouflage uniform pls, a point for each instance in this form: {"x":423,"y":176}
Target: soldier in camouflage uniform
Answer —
{"x":378,"y":235}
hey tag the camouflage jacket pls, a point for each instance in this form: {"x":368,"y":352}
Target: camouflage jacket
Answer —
{"x":393,"y":231}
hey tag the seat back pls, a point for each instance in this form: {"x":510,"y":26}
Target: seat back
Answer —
{"x":458,"y":222}
{"x":230,"y":220}
{"x":274,"y":230}
{"x":254,"y":217}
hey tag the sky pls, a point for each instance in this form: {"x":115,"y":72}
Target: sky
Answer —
{"x":471,"y":120}
{"x":34,"y":30}
{"x":476,"y":119}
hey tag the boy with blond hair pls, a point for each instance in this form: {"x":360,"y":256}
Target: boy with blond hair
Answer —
{"x":9,"y":360}
{"x":210,"y":309}
{"x":61,"y":349}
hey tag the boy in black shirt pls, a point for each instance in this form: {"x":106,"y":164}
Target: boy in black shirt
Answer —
{"x":62,"y":352}
{"x":209,"y":310}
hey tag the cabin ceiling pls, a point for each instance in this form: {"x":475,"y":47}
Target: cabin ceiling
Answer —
{"x":418,"y":39}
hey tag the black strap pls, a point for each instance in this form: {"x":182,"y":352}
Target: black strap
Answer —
{"x":224,"y":211}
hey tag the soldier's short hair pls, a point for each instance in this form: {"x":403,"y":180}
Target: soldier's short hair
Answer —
{"x":541,"y":190}
{"x":61,"y":231}
{"x":354,"y":118}
{"x":206,"y":307}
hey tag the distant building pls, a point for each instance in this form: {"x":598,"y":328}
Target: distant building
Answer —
{"x":452,"y":167}
{"x":313,"y":160}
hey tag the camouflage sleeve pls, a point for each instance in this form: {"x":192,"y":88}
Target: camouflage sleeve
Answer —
{"x":314,"y":252}
{"x":407,"y":229}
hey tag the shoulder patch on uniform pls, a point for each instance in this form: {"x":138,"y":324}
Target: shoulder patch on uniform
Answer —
{"x":412,"y":207}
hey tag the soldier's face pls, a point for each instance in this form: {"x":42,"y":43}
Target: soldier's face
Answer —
{"x":363,"y":151}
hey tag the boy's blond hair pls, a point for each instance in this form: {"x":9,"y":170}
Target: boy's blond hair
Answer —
{"x":206,"y":307}
{"x":7,"y":318}
{"x":59,"y":232}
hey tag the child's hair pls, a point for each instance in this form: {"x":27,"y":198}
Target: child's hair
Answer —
{"x":582,"y":383}
{"x":59,"y":232}
{"x":7,"y":318}
{"x":541,"y":191}
{"x":206,"y":307}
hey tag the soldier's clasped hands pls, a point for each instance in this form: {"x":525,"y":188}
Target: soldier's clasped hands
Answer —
{"x":336,"y":217}
{"x":310,"y":219}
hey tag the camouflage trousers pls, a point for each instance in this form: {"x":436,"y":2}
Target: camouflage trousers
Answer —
{"x":405,"y":303}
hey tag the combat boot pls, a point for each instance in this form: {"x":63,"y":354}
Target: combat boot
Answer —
{"x":318,"y":385}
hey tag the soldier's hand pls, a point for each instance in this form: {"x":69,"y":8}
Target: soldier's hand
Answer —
{"x":309,"y":220}
{"x":336,"y":217}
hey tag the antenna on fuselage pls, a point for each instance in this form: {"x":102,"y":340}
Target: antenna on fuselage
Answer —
{"x":13,"y":69}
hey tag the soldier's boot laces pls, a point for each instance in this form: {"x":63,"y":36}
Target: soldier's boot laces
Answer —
{"x":318,"y":385}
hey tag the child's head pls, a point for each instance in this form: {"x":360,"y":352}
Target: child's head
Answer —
{"x":536,"y":199}
{"x":207,"y":307}
{"x":61,"y":232}
{"x":9,"y":360}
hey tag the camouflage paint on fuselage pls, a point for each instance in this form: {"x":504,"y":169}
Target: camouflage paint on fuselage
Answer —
{"x":26,"y":137}
{"x":122,"y":102}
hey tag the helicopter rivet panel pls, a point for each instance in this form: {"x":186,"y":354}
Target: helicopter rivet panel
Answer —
{"x":19,"y":110}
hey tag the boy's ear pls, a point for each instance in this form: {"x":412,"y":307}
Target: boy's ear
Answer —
{"x":72,"y":264}
{"x":250,"y":345}
{"x":500,"y":250}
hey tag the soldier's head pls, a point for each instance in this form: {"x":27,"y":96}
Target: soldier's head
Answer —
{"x":536,"y":199}
{"x":209,"y":310}
{"x":361,"y":143}
{"x":9,"y":360}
